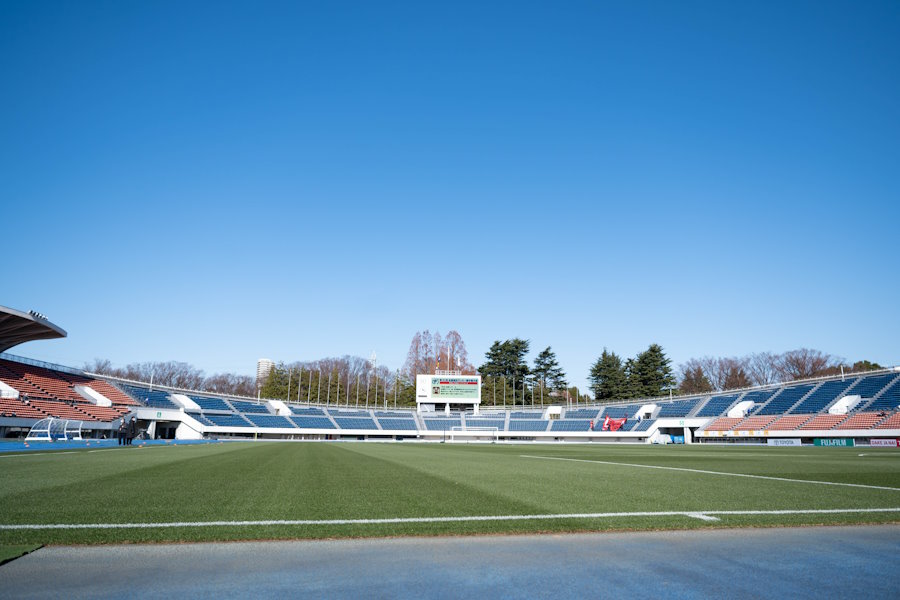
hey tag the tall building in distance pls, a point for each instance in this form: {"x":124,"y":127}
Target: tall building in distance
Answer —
{"x":263,"y":368}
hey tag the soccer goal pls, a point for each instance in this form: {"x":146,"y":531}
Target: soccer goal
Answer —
{"x":474,"y":434}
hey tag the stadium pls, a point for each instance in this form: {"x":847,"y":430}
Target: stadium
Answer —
{"x":783,"y":455}
{"x":449,"y":299}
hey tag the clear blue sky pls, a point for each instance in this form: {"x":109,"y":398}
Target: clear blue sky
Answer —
{"x":218,"y":182}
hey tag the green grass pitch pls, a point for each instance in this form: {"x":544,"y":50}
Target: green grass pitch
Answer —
{"x":245,"y":481}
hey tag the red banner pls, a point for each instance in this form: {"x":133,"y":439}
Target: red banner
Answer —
{"x":613,"y":424}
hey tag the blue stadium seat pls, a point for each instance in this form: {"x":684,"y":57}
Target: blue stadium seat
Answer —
{"x":441,"y":424}
{"x":310,"y":412}
{"x":644,"y":425}
{"x":207,"y":403}
{"x":888,"y":400}
{"x":571,"y":425}
{"x":528,"y":425}
{"x":498,"y":423}
{"x":392,"y":423}
{"x":827,"y":393}
{"x":355,"y":422}
{"x":582,"y":413}
{"x":155,"y":398}
{"x":312,"y":422}
{"x":228,"y":420}
{"x":678,"y":408}
{"x":269,"y":420}
{"x":250,"y":407}
{"x":717,"y":405}
{"x":789,"y":396}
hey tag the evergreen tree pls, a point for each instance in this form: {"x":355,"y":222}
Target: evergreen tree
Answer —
{"x":651,"y":373}
{"x":547,"y":370}
{"x":608,"y":378}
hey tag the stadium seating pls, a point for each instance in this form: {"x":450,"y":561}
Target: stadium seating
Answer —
{"x":227,"y":420}
{"x":306,"y":422}
{"x":525,"y":414}
{"x":111,"y":392}
{"x":62,"y":410}
{"x":891,"y":422}
{"x":268,"y":420}
{"x":678,"y":408}
{"x":758,"y":397}
{"x":868,"y":387}
{"x":723,"y":424}
{"x":617,"y":412}
{"x":310,"y":412}
{"x":498,"y":423}
{"x":441,"y":424}
{"x":717,"y":405}
{"x":789,"y":422}
{"x":155,"y":398}
{"x":349,"y":413}
{"x":528,"y":425}
{"x":755,"y":423}
{"x":207,"y":403}
{"x":393,"y":423}
{"x":582,"y":413}
{"x":101,"y":413}
{"x":571,"y":425}
{"x":823,"y":396}
{"x":888,"y":400}
{"x":19,"y":409}
{"x":199,"y":417}
{"x":783,"y":401}
{"x":249,"y":407}
{"x":355,"y":422}
{"x":394,"y":414}
{"x":862,"y":420}
{"x":822,"y":422}
{"x":644,"y":425}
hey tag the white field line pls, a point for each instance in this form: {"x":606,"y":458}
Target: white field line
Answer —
{"x":37,"y":454}
{"x":706,"y":515}
{"x":705,"y":472}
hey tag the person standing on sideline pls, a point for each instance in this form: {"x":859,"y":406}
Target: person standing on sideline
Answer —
{"x":121,"y":432}
{"x":132,"y":430}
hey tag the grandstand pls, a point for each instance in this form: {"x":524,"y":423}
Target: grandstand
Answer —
{"x":865,"y":405}
{"x":862,"y":406}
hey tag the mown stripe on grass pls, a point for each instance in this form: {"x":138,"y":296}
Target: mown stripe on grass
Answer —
{"x":695,"y":514}
{"x":705,"y":472}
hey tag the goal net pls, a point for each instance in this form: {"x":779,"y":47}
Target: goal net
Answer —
{"x":469,"y":434}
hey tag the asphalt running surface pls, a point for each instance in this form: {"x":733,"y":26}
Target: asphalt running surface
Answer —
{"x":812,"y":562}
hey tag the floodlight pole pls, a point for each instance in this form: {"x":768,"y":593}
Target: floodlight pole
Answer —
{"x":357,"y":390}
{"x":319,"y":390}
{"x":288,"y":397}
{"x":367,"y":390}
{"x":328,"y":394}
{"x":299,"y":384}
{"x":309,"y":388}
{"x":348,"y":389}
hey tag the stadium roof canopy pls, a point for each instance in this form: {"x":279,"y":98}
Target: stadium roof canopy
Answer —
{"x":18,"y":327}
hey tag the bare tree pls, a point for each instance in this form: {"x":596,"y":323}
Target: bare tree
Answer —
{"x":804,"y":363}
{"x":763,"y":368}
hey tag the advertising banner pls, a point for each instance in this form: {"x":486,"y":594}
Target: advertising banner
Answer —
{"x":883,"y":443}
{"x":783,"y":441}
{"x":457,"y":388}
{"x":833,"y":441}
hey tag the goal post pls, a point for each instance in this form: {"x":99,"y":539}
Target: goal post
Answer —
{"x":470,"y":434}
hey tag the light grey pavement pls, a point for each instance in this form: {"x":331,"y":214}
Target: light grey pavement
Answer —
{"x":820,"y":562}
